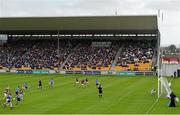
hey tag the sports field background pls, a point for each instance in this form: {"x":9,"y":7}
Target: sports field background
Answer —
{"x":127,"y":95}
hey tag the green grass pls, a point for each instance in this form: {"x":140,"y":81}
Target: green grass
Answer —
{"x":125,"y":95}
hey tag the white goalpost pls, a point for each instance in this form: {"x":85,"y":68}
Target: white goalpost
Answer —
{"x":164,"y":88}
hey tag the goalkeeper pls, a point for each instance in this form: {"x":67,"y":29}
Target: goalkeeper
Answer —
{"x":173,"y":100}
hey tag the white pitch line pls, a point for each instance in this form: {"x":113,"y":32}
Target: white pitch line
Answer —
{"x":147,"y":112}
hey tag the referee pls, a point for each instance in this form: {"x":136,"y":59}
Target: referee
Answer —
{"x":100,"y":89}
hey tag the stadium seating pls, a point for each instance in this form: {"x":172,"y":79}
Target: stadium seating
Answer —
{"x":34,"y":54}
{"x":88,"y":57}
{"x":136,"y":56}
{"x":43,"y":54}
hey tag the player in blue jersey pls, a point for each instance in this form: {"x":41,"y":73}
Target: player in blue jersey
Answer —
{"x":51,"y":83}
{"x":97,"y":83}
{"x":8,"y":101}
{"x":25,"y":86}
{"x":21,"y":94}
{"x":17,"y":90}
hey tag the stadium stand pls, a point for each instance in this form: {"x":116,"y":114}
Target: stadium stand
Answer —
{"x":38,"y":54}
{"x":89,"y":57}
{"x":136,"y":55}
{"x":33,"y":54}
{"x":121,"y":43}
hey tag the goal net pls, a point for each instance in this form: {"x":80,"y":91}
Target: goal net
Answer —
{"x":164,"y":87}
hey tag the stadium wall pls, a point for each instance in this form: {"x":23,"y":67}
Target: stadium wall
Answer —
{"x":169,"y":69}
{"x":2,"y":71}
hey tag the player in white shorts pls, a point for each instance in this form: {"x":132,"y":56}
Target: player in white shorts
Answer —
{"x":8,"y":101}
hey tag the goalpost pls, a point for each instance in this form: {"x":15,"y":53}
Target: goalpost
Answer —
{"x":164,"y":88}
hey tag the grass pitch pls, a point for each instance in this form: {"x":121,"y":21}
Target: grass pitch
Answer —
{"x":126,"y":95}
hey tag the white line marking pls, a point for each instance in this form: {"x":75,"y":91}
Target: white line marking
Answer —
{"x":147,"y":112}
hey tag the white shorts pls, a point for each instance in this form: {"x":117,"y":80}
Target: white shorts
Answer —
{"x":21,"y":96}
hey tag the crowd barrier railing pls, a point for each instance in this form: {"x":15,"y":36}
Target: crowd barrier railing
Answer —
{"x":86,"y":72}
{"x":118,"y":73}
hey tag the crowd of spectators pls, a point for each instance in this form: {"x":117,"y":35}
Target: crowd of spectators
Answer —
{"x":11,"y":52}
{"x":135,"y":52}
{"x":93,"y":57}
{"x":39,"y":54}
{"x":36,"y":54}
